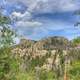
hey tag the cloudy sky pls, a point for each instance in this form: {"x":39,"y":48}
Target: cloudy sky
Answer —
{"x":36,"y":19}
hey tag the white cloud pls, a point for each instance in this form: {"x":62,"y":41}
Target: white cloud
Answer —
{"x":19,"y":16}
{"x":16,"y":14}
{"x":69,"y":5}
{"x":24,"y":20}
{"x":25,"y":25}
{"x":50,"y":5}
{"x":28,"y":24}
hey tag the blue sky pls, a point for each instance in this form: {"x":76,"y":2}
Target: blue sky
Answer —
{"x":36,"y":19}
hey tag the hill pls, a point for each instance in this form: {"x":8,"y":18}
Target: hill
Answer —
{"x":53,"y":43}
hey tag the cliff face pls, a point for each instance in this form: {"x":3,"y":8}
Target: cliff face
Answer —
{"x":41,"y":47}
{"x":48,"y":54}
{"x":44,"y":51}
{"x":52,"y":43}
{"x":47,"y":43}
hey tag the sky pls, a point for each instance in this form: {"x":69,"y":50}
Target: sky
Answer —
{"x":37,"y":19}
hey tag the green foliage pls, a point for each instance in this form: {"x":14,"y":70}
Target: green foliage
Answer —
{"x":4,"y":62}
{"x":7,"y":36}
{"x":47,"y":75}
{"x":4,"y":20}
{"x":76,"y":41}
{"x":75,"y":71}
{"x":6,"y":40}
{"x":74,"y":54}
{"x":37,"y":61}
{"x":9,"y":66}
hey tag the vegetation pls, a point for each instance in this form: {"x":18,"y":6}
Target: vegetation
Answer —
{"x":31,"y":60}
{"x":6,"y":40}
{"x":76,"y":41}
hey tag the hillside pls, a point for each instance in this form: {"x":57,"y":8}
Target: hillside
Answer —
{"x":44,"y":59}
{"x":53,"y":43}
{"x":46,"y":43}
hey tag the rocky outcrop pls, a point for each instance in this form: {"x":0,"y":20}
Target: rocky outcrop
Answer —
{"x":44,"y":50}
{"x":53,"y":43}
